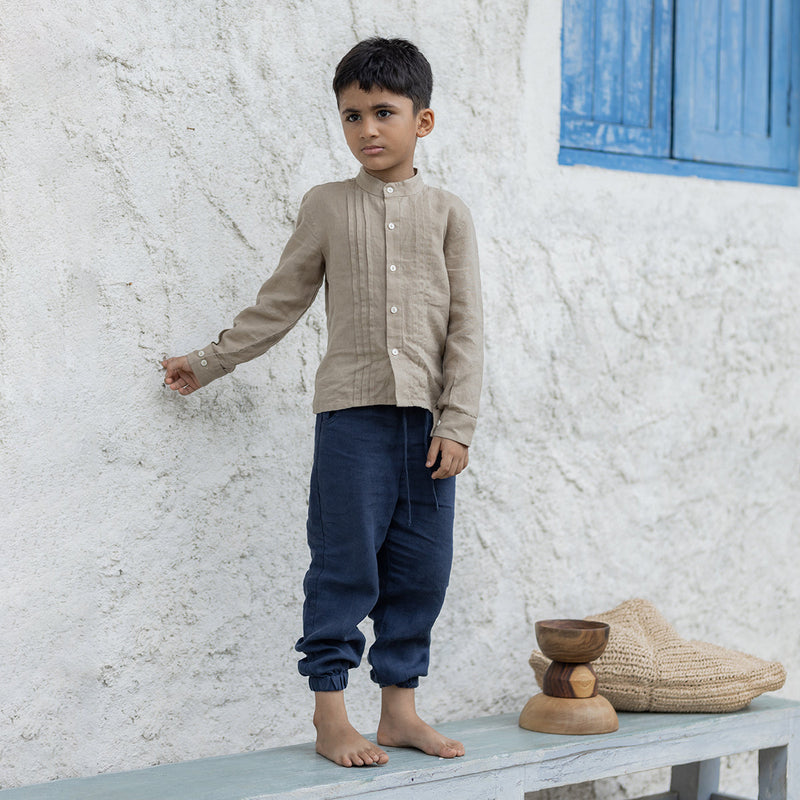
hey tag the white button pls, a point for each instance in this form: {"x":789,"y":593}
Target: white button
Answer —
{"x":395,"y":351}
{"x":393,"y":309}
{"x":392,"y":268}
{"x":204,"y":363}
{"x":391,"y":226}
{"x":389,"y":189}
{"x":201,"y":353}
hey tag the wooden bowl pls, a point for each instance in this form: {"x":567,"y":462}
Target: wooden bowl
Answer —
{"x":565,"y":715}
{"x":572,"y":641}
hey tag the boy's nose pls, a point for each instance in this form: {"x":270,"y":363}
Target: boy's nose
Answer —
{"x":368,"y":130}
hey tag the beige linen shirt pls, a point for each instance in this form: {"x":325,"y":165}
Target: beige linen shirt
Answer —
{"x":402,"y":297}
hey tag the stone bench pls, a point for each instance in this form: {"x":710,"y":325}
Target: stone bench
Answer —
{"x":502,"y":761}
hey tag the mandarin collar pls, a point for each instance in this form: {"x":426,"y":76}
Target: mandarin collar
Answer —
{"x":369,"y":183}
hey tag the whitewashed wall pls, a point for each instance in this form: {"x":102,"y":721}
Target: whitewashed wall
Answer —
{"x":640,"y":431}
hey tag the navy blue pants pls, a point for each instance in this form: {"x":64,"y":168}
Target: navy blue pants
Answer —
{"x":380,"y":530}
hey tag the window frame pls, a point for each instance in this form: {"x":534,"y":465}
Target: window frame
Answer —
{"x":585,"y":141}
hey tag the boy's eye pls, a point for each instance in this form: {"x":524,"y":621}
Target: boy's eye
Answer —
{"x":351,"y":118}
{"x":384,"y":112}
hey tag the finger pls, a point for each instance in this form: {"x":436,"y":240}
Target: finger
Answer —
{"x":445,"y":467}
{"x":175,"y":364}
{"x":171,"y":372}
{"x":456,"y":465}
{"x":189,"y":378}
{"x":177,"y":382}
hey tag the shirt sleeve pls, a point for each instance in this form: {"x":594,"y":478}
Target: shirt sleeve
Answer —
{"x":281,"y":301}
{"x":463,"y":351}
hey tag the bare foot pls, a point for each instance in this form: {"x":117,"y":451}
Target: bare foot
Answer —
{"x":417,"y":733}
{"x":400,"y":726}
{"x":337,"y":739}
{"x":347,"y":747}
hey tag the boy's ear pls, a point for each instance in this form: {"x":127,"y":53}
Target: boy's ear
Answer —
{"x":424,"y":122}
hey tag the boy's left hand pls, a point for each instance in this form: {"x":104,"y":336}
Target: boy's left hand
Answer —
{"x":455,"y":457}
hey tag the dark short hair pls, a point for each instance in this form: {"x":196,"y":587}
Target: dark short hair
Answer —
{"x":396,"y":65}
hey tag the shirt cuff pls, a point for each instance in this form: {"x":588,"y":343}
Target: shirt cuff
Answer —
{"x":455,"y":425}
{"x":206,"y":366}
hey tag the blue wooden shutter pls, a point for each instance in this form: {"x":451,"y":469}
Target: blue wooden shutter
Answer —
{"x":737,"y":82}
{"x":616,"y":76}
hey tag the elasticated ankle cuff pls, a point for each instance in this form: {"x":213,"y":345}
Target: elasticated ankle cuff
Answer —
{"x":411,"y":683}
{"x":328,"y":683}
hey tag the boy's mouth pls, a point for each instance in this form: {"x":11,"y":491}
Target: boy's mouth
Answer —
{"x":371,"y":149}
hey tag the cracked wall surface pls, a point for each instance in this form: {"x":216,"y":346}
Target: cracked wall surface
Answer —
{"x":639,"y":433}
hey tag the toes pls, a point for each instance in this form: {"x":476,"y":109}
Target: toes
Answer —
{"x":451,"y":749}
{"x":375,"y":757}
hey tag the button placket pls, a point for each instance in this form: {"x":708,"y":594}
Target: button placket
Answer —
{"x":394,"y":325}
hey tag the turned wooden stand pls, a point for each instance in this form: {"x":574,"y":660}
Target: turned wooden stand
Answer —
{"x":569,"y":703}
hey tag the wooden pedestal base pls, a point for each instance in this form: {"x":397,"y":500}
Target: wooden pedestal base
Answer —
{"x":587,"y":715}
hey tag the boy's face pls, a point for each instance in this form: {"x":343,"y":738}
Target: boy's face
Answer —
{"x":382,"y":129}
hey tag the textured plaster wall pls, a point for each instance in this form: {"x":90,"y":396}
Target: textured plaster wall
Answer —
{"x":640,"y":432}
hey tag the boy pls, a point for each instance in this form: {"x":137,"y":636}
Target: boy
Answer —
{"x":396,"y":397}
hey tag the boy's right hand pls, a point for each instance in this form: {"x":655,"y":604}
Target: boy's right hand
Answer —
{"x":179,"y":377}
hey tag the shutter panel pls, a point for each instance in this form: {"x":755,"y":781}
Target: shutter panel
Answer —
{"x":616,"y":76}
{"x":736,"y":66}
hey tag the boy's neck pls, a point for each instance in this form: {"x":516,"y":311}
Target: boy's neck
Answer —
{"x":392,"y":178}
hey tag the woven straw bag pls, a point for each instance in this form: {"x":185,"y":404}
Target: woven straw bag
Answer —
{"x":648,"y":667}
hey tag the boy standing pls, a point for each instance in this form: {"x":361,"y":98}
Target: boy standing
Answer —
{"x":396,"y":397}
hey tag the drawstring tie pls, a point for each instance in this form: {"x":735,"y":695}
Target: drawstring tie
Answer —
{"x":405,"y":461}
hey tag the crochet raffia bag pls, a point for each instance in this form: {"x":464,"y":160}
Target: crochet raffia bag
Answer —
{"x":648,"y":667}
